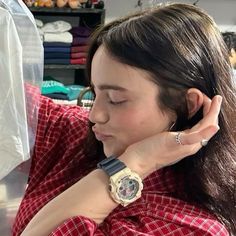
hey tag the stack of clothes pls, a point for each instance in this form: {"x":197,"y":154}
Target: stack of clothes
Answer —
{"x":64,"y":44}
{"x":79,"y":45}
{"x":63,"y":94}
{"x":57,"y":42}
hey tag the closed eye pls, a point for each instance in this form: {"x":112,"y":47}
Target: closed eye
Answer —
{"x":117,"y":103}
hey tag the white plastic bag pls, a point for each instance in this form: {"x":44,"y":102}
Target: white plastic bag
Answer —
{"x":14,"y":146}
{"x":21,"y":64}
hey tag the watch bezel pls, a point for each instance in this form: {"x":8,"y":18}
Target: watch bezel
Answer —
{"x":115,"y":182}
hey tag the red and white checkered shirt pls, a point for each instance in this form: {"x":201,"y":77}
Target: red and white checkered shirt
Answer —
{"x":60,"y":136}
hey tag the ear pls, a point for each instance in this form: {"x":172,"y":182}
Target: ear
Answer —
{"x":194,"y":99}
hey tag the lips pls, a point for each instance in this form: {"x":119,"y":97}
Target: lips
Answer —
{"x":101,"y":136}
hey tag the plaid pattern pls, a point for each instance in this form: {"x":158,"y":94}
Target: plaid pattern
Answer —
{"x":60,"y":135}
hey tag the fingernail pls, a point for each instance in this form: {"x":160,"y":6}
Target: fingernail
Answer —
{"x":219,"y":99}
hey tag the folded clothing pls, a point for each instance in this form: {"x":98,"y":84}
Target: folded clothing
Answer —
{"x":39,"y":23}
{"x":41,"y":34}
{"x":56,"y":44}
{"x":80,"y":31}
{"x":65,"y":37}
{"x":73,"y":94}
{"x":56,"y":55}
{"x":81,"y":48}
{"x":57,"y":49}
{"x":79,"y":41}
{"x":60,"y":96}
{"x":78,"y":55}
{"x":59,"y":26}
{"x":59,"y":61}
{"x":78,"y":61}
{"x":75,"y":90}
{"x":65,"y":102}
{"x":52,"y":86}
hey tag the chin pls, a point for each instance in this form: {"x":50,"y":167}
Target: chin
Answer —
{"x":108,"y":151}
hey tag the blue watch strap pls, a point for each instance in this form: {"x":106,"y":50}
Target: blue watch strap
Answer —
{"x":111,"y":165}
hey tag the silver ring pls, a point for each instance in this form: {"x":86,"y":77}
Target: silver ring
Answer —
{"x":177,"y":138}
{"x":204,"y":142}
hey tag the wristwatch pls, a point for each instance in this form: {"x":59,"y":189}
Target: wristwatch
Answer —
{"x":125,"y":185}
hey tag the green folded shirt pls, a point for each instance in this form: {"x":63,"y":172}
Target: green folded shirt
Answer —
{"x":75,"y":90}
{"x":51,"y":86}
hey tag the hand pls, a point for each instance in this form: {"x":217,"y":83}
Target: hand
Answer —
{"x":162,"y":150}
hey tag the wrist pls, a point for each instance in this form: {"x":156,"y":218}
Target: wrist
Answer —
{"x":125,"y":184}
{"x":137,"y":163}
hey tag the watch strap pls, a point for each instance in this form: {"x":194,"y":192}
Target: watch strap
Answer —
{"x":111,"y":165}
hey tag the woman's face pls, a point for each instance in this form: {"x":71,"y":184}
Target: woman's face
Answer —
{"x":125,"y":109}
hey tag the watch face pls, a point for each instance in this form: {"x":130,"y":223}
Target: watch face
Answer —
{"x":128,"y":188}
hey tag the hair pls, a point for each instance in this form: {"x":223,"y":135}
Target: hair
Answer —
{"x":180,"y":47}
{"x":230,"y":40}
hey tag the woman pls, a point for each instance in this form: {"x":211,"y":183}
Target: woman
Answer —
{"x":230,"y":41}
{"x":154,"y":74}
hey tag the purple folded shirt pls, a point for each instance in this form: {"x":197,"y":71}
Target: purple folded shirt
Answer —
{"x":80,"y":31}
{"x":80,"y":41}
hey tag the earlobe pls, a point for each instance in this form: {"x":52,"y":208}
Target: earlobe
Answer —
{"x":194,"y":99}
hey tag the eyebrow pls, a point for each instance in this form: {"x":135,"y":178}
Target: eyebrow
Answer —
{"x":111,"y":87}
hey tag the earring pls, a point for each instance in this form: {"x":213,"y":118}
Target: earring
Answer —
{"x":171,"y":127}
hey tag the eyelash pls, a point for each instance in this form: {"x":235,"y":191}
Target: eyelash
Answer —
{"x":111,"y":102}
{"x":116,"y":103}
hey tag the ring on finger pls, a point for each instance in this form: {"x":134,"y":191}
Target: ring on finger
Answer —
{"x":178,"y":138}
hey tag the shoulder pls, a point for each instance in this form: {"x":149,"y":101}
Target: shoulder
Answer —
{"x":61,"y":132}
{"x":59,"y":118}
{"x":48,"y":108}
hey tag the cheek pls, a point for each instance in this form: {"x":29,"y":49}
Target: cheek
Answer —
{"x":136,"y":125}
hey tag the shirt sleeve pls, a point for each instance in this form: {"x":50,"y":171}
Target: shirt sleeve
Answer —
{"x":61,"y":133}
{"x":78,"y":225}
{"x":140,"y":225}
{"x":57,"y":157}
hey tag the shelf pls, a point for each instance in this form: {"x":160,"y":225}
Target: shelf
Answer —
{"x":49,"y":66}
{"x":86,"y":17}
{"x":64,"y":10}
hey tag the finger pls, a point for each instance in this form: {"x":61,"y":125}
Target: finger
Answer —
{"x":214,"y":111}
{"x":211,"y":118}
{"x":197,"y":136}
{"x":206,"y":105}
{"x":206,"y":108}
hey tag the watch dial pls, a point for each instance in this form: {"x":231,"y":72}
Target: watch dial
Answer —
{"x":128,"y":188}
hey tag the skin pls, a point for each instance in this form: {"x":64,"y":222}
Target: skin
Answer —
{"x":232,"y":58}
{"x":125,"y":109}
{"x":144,"y":150}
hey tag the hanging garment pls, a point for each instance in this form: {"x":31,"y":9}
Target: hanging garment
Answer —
{"x":13,"y":126}
{"x":21,"y":64}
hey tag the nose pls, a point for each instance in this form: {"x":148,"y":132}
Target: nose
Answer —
{"x":98,"y":113}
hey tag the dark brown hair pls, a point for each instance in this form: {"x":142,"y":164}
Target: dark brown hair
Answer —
{"x":180,"y":46}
